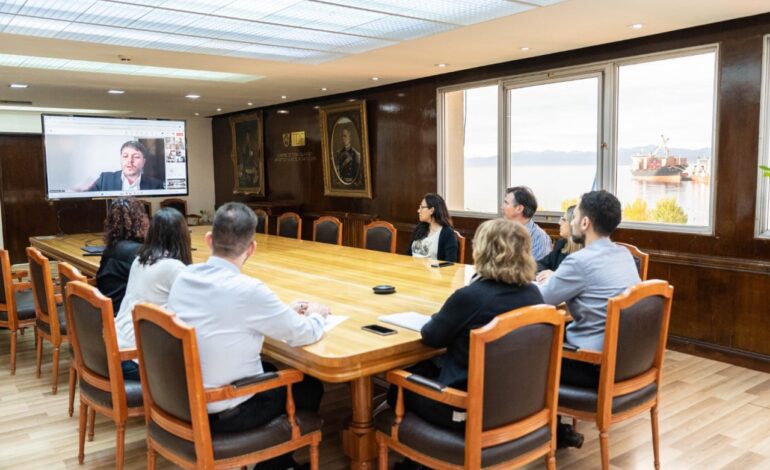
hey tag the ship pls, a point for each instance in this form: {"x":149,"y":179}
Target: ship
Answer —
{"x":701,"y":171}
{"x":657,"y":168}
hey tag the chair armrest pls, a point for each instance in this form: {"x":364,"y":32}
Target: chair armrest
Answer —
{"x":128,"y":354}
{"x":91,"y":281}
{"x":570,"y":351}
{"x":428,"y":388}
{"x":22,"y":286}
{"x":256,"y":384}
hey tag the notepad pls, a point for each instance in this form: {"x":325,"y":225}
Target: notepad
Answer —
{"x":409,"y":320}
{"x":93,"y":249}
{"x":332,"y":321}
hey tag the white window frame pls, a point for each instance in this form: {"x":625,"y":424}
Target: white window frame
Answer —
{"x":762,"y":221}
{"x":606,"y":177}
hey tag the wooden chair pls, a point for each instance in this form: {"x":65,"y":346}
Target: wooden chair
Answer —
{"x":50,"y":321}
{"x":460,"y":247}
{"x":67,"y":274}
{"x":95,"y":343}
{"x":181,"y":206}
{"x":513,"y":381}
{"x":175,"y":400}
{"x":289,"y":225}
{"x":327,"y":229}
{"x":262,"y":220}
{"x":641,"y":259}
{"x":380,"y":236}
{"x":147,"y":207}
{"x":17,"y":306}
{"x":631,"y":363}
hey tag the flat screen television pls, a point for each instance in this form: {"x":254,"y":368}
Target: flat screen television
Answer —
{"x":88,"y":157}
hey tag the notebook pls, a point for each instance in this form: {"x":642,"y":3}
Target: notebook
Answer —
{"x":409,"y":320}
{"x":93,"y":249}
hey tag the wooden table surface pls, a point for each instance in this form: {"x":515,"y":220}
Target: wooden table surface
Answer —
{"x":342,"y":278}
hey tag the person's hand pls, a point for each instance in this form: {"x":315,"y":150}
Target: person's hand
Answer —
{"x":543,"y":276}
{"x":300,"y":306}
{"x":321,"y":309}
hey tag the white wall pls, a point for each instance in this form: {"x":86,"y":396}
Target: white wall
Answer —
{"x":200,"y":157}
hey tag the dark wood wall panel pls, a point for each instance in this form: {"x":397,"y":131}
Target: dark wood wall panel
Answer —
{"x":25,"y":211}
{"x":718,"y":278}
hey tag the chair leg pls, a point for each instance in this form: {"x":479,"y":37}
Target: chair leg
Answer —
{"x":55,"y":373}
{"x":383,"y":456}
{"x":38,"y":354}
{"x":550,"y":461}
{"x":73,"y":379}
{"x":605,"y":448}
{"x":574,"y":424}
{"x":655,"y":435}
{"x":13,"y":352}
{"x":120,"y":444}
{"x":314,"y":456}
{"x":91,"y":419}
{"x":82,"y":431}
{"x":150,"y":458}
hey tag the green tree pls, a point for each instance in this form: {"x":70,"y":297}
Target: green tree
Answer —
{"x":669,"y":212}
{"x":636,"y":211}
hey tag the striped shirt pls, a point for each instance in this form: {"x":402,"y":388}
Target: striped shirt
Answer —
{"x":541,"y":242}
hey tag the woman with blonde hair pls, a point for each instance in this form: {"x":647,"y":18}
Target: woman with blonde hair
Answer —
{"x":563,"y":248}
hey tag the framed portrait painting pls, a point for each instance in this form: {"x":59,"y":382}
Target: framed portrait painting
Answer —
{"x":248,"y":154}
{"x":345,"y":150}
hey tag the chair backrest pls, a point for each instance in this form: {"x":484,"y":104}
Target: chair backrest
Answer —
{"x":69,"y":273}
{"x":147,"y":207}
{"x":262,"y":219}
{"x":42,"y":290}
{"x":460,"y":247}
{"x":327,"y":229}
{"x":175,"y":203}
{"x":641,"y":259}
{"x":289,"y":225}
{"x":172,"y":384}
{"x":94,"y":341}
{"x":513,"y":378}
{"x":380,"y":236}
{"x":7,"y":299}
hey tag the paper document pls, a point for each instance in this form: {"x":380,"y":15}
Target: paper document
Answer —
{"x":332,"y":321}
{"x":409,"y":320}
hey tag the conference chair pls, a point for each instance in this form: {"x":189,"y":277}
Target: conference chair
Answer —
{"x":460,"y":247}
{"x":17,"y":307}
{"x":380,"y":236}
{"x":513,"y":382}
{"x":262,"y":220}
{"x":95,"y":344}
{"x":147,"y":207}
{"x":181,"y":206}
{"x":50,"y":321}
{"x":327,"y":229}
{"x":631,"y":364}
{"x":641,"y":259}
{"x":175,"y":403}
{"x":289,"y":225}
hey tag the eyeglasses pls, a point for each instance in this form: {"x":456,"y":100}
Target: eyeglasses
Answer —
{"x":419,"y":208}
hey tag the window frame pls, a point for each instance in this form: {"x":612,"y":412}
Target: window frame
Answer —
{"x":762,"y":218}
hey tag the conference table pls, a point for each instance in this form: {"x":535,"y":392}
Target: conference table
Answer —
{"x":342,"y":278}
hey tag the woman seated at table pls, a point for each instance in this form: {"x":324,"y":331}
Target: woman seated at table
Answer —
{"x":434,"y":236}
{"x":124,"y":230}
{"x":166,"y":251}
{"x":564,"y":246}
{"x":506,"y":269}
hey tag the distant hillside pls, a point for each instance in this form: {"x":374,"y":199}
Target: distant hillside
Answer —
{"x":553,"y":157}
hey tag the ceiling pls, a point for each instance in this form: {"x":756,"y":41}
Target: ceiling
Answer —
{"x":257,"y":53}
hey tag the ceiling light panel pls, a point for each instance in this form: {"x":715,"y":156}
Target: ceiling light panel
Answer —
{"x":322,"y":40}
{"x":166,"y":21}
{"x":322,"y":16}
{"x":258,"y":51}
{"x":34,"y":27}
{"x":110,"y":14}
{"x":170,"y":42}
{"x":108,"y":35}
{"x":66,"y":10}
{"x":400,"y":28}
{"x":458,"y":12}
{"x":11,"y":6}
{"x":234,"y":30}
{"x":255,"y":9}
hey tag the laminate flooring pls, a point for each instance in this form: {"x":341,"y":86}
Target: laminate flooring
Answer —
{"x":712,"y":415}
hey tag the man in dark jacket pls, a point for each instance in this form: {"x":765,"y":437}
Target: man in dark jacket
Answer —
{"x":133,"y":157}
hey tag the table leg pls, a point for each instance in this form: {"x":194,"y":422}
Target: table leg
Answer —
{"x":358,"y":439}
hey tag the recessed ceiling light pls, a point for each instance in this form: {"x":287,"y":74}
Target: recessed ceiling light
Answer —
{"x":375,"y":78}
{"x":219,"y":109}
{"x":192,"y":96}
{"x":637,"y":26}
{"x":282,"y":111}
{"x":525,"y":48}
{"x":116,"y":92}
{"x":250,"y":103}
{"x":441,"y":65}
{"x":18,"y":85}
{"x":316,"y":107}
{"x":351,"y":100}
{"x":197,"y":114}
{"x":283,"y":97}
{"x":324,"y":88}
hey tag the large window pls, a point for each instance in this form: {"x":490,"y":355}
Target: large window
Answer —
{"x":642,"y":128}
{"x":763,"y":183}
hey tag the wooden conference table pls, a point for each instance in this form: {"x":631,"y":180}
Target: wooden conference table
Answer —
{"x":342,"y":278}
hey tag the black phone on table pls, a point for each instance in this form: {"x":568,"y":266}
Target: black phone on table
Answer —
{"x":441,"y":264}
{"x":379,"y":330}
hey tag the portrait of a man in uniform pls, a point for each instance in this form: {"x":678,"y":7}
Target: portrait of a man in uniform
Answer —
{"x":247,"y":154}
{"x":347,"y":160}
{"x":345,"y":150}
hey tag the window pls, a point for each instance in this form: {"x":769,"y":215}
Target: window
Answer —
{"x":763,"y":182}
{"x":642,"y":128}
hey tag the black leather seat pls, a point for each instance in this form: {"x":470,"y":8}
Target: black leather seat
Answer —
{"x":46,"y":327}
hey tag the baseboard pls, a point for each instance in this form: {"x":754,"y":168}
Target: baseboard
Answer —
{"x":738,"y":357}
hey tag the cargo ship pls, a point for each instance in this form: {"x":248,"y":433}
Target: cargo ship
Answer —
{"x":657,"y":168}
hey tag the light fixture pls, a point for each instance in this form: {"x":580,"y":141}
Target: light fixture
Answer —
{"x":192,"y":96}
{"x":375,"y":78}
{"x":283,"y":97}
{"x":250,"y":103}
{"x":282,"y":111}
{"x":50,"y":109}
{"x":324,"y":88}
{"x":637,"y":26}
{"x":316,"y":107}
{"x":219,"y":109}
{"x":442,"y":65}
{"x":525,"y":48}
{"x":18,"y":85}
{"x":116,"y":92}
{"x":197,"y":114}
{"x":351,"y":100}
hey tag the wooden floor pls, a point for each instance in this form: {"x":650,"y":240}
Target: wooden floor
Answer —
{"x":713,"y":415}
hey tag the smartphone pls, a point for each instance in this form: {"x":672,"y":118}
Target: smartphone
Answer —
{"x":379,"y":330}
{"x":441,"y":264}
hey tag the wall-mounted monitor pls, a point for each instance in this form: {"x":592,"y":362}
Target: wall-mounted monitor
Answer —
{"x":88,"y":157}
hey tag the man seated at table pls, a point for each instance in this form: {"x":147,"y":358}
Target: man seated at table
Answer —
{"x":520,"y":206}
{"x":232,"y":313}
{"x":585,"y":280}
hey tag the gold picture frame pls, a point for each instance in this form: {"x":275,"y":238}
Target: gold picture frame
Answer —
{"x":247,"y":154}
{"x":345,"y":150}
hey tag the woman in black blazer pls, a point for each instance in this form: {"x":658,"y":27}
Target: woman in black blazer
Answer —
{"x":434,"y":236}
{"x":563,"y":247}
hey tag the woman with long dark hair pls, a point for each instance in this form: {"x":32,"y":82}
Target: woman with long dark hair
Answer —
{"x":124,"y":230}
{"x":434,"y":236}
{"x":166,"y":251}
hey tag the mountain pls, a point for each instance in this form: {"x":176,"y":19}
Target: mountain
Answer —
{"x":554,"y":157}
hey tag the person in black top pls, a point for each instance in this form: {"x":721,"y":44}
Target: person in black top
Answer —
{"x":506,"y":269}
{"x":563,"y":247}
{"x":124,"y":230}
{"x":434,"y":236}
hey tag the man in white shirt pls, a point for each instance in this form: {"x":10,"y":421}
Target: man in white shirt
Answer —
{"x":232,"y":313}
{"x":520,"y":206}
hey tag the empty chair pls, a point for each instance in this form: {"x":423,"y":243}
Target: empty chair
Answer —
{"x":95,"y":343}
{"x":17,"y":306}
{"x":460,"y":247}
{"x":67,"y":274}
{"x":289,"y":225}
{"x":380,"y":236}
{"x":513,"y":377}
{"x":641,"y":259}
{"x":262,"y":220}
{"x":181,"y":206}
{"x":327,"y":229}
{"x":50,"y":321}
{"x":175,"y":400}
{"x":631,"y":363}
{"x":147,"y":207}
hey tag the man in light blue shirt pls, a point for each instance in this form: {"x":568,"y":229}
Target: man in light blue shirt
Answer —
{"x":520,"y":205}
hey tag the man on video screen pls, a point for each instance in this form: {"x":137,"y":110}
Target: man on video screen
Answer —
{"x":133,"y":157}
